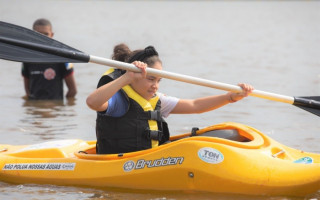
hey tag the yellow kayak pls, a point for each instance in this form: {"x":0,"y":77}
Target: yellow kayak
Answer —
{"x":224,"y":158}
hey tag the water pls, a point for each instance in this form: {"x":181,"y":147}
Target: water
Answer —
{"x":274,"y":45}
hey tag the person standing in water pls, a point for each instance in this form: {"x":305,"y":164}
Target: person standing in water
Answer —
{"x":44,"y":81}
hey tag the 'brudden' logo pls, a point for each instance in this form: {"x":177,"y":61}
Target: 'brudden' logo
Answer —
{"x":141,"y":164}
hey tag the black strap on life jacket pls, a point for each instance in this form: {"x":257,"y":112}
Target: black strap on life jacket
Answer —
{"x":151,"y":115}
{"x":154,"y":135}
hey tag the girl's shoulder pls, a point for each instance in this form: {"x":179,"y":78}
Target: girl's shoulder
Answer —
{"x":167,"y":103}
{"x":166,"y":99}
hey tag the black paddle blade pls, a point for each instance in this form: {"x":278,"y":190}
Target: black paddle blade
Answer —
{"x":24,"y":45}
{"x":310,"y":104}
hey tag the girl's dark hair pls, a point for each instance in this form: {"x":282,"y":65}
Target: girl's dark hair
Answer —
{"x":149,"y":55}
{"x":121,"y":52}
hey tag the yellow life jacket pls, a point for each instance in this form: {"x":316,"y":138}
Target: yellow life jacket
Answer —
{"x":146,"y":105}
{"x":111,"y":130}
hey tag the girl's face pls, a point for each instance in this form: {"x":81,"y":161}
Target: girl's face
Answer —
{"x":148,"y":86}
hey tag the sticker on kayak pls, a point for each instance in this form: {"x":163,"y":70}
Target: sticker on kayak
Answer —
{"x":50,"y":144}
{"x":40,"y":166}
{"x":210,"y":155}
{"x":304,"y":160}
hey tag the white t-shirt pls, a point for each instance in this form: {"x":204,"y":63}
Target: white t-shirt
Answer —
{"x":167,"y":104}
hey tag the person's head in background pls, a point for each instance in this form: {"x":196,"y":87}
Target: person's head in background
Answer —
{"x":43,"y":26}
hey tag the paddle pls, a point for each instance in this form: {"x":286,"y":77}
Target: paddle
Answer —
{"x":24,"y":45}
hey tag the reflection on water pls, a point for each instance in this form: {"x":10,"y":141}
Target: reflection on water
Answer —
{"x":43,"y":108}
{"x":47,"y":118}
{"x":75,"y":193}
{"x":47,"y":108}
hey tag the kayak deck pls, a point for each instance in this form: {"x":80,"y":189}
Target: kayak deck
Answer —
{"x":255,"y":165}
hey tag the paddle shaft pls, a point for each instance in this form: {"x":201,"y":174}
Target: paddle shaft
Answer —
{"x":24,"y":45}
{"x":191,"y":80}
{"x":64,"y":52}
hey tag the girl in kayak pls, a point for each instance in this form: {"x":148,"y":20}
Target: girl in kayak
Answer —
{"x":130,"y":110}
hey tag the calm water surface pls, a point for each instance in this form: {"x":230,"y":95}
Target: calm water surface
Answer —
{"x":274,"y":45}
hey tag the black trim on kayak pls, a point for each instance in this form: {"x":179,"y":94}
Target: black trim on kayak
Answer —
{"x":229,"y":134}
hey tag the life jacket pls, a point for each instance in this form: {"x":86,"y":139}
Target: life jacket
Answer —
{"x":141,"y":127}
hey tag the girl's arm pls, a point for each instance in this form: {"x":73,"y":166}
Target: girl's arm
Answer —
{"x":205,"y":104}
{"x":98,"y":99}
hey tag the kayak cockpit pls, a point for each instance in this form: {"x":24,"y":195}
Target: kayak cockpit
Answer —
{"x":232,"y":134}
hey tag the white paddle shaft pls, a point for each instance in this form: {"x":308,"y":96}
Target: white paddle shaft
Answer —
{"x":190,"y":79}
